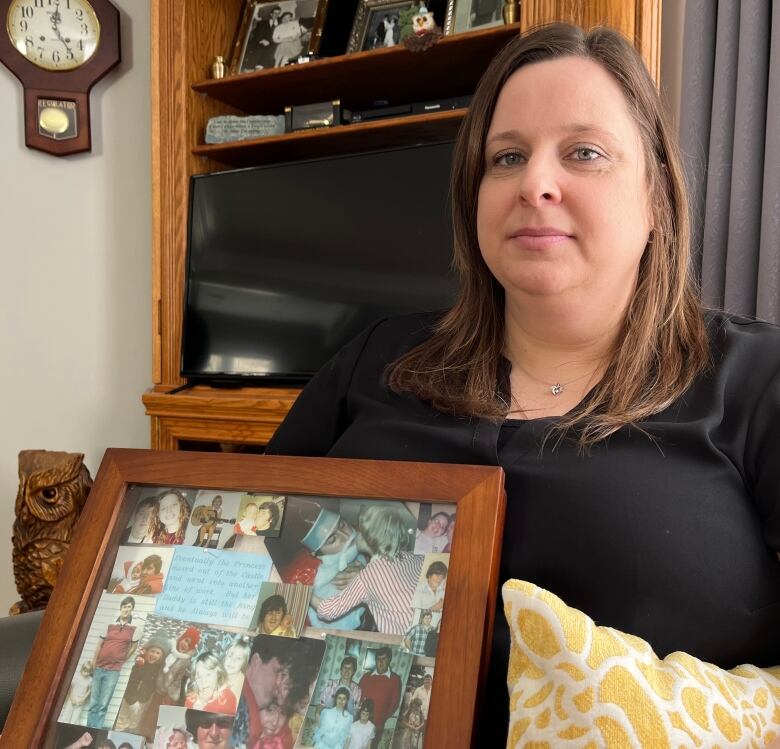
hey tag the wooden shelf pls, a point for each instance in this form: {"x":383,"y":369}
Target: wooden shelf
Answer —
{"x":365,"y":136}
{"x":451,"y":67}
{"x":205,"y":414}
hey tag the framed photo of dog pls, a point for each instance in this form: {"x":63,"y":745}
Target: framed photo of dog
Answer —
{"x":250,"y":601}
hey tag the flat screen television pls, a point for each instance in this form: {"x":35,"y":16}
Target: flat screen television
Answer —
{"x":288,"y":262}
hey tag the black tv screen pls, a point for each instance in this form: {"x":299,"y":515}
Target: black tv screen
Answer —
{"x":288,"y":262}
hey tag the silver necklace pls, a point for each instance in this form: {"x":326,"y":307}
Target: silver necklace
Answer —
{"x":556,"y":388}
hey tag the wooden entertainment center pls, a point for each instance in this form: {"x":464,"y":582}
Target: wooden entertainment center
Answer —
{"x":186,"y":37}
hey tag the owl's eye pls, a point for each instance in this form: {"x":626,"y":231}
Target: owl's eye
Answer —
{"x":49,"y":493}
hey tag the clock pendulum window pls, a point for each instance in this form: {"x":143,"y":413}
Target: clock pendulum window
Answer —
{"x":59,"y":49}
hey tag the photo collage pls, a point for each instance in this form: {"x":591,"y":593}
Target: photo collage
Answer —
{"x":250,"y":620}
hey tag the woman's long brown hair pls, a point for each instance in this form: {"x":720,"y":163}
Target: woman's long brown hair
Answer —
{"x":663,"y":344}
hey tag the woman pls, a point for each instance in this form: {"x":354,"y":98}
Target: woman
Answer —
{"x":235,"y":663}
{"x":287,"y":37}
{"x":334,"y":723}
{"x":208,"y":690}
{"x":412,"y":726}
{"x":170,"y":520}
{"x":636,"y":431}
{"x":347,"y":671}
{"x":433,"y":537}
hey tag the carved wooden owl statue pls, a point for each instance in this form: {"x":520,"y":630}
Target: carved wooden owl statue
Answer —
{"x":53,"y":487}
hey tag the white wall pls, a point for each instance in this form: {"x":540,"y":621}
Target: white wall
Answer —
{"x":75,"y":284}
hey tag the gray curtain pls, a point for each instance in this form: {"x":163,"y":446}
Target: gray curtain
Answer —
{"x":730,"y":138}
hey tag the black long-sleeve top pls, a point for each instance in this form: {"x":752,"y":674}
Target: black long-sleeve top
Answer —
{"x":672,"y":539}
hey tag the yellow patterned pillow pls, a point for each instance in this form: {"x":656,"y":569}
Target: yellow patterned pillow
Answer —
{"x":573,"y":684}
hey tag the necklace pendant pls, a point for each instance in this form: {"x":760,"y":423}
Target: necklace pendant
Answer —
{"x":556,"y":389}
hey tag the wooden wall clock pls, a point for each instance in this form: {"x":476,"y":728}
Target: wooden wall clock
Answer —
{"x":59,"y":49}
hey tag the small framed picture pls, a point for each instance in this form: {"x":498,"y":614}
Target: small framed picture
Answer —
{"x":469,"y":15}
{"x":381,"y":23}
{"x":274,"y":34}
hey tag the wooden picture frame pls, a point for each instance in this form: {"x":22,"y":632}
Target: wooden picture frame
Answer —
{"x":472,"y":589}
{"x":255,"y":47}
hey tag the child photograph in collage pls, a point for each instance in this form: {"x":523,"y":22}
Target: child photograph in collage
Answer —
{"x":248,"y":620}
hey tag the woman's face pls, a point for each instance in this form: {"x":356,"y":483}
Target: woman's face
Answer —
{"x":341,"y":701}
{"x":234,"y":660}
{"x":563,"y":209}
{"x":169,"y":512}
{"x":437,"y":525}
{"x":206,"y":677}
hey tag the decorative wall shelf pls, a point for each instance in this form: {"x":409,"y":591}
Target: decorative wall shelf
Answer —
{"x":365,"y":136}
{"x":451,"y":67}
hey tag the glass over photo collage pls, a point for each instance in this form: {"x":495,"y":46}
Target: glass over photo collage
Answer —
{"x":250,"y":620}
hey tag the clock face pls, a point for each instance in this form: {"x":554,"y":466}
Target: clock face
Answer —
{"x":54,"y":34}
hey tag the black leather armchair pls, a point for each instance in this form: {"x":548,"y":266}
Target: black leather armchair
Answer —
{"x":16,"y":638}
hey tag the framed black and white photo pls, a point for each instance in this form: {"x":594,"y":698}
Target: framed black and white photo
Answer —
{"x":380,"y":24}
{"x":470,"y":15}
{"x":274,"y":34}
